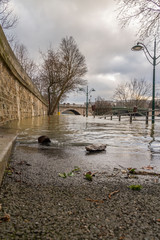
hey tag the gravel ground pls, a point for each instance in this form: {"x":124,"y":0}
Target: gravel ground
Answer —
{"x":75,"y":208}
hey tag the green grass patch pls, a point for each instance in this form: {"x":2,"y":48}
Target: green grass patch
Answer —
{"x":135,"y":187}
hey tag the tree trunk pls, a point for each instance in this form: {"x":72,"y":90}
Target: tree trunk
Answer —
{"x":55,"y":104}
{"x":49,"y":102}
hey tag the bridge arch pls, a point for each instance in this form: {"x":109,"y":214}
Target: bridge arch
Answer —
{"x":77,"y":109}
{"x":75,"y":112}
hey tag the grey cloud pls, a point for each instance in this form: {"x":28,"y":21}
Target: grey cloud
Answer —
{"x":94,"y":26}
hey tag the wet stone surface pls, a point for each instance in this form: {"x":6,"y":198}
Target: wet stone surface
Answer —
{"x":46,"y":206}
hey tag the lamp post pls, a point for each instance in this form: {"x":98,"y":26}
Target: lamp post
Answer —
{"x":87,"y":93}
{"x":153,"y":60}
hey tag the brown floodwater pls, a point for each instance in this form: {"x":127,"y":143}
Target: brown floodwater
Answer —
{"x":128,"y":145}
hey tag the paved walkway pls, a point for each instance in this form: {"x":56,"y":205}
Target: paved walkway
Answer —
{"x":38,"y":204}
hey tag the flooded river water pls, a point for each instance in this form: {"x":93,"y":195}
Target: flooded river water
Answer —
{"x":128,"y":145}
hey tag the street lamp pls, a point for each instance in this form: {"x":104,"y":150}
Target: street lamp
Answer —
{"x":87,"y":93}
{"x":153,"y":60}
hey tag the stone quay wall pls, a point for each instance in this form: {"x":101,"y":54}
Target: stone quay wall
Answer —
{"x":19,"y":98}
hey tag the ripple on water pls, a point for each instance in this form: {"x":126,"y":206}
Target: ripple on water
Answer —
{"x":127,"y":143}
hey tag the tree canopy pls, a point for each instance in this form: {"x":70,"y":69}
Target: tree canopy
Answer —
{"x":62,"y":71}
{"x":7,"y":18}
{"x":133,"y":93}
{"x":102,"y":106}
{"x":28,"y":64}
{"x":145,"y":12}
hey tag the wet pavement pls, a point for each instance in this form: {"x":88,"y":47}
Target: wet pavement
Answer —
{"x":36,"y":206}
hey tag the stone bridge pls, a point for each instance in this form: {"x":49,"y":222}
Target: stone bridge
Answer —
{"x":77,"y":109}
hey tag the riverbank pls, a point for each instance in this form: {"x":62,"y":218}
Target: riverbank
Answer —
{"x":75,"y":208}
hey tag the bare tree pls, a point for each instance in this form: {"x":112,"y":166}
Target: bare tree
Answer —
{"x":145,"y":12}
{"x":29,"y":66}
{"x":102,"y":106}
{"x":7,"y":18}
{"x":134,"y":93}
{"x":62,"y":71}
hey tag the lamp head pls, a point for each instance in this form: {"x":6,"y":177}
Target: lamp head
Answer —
{"x":137,"y":47}
{"x":81,"y":89}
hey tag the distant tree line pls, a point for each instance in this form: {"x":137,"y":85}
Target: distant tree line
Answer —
{"x":101,"y":106}
{"x":134,"y":93}
{"x":131,"y":95}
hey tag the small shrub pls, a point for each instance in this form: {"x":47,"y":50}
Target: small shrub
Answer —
{"x":88,"y":176}
{"x":132,"y":171}
{"x":135,"y":187}
{"x":63,"y":175}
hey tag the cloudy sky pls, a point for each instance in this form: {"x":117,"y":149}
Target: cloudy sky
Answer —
{"x":94,"y":26}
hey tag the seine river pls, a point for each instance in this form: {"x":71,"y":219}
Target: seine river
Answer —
{"x":128,"y":145}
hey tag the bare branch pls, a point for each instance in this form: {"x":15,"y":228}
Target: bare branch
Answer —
{"x":133,"y":93}
{"x":7,"y":18}
{"x":145,"y":12}
{"x":62,"y":71}
{"x":27,"y":64}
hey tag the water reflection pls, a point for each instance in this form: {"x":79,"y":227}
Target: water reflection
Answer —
{"x":129,"y":145}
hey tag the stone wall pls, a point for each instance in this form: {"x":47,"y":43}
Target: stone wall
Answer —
{"x":19,"y":98}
